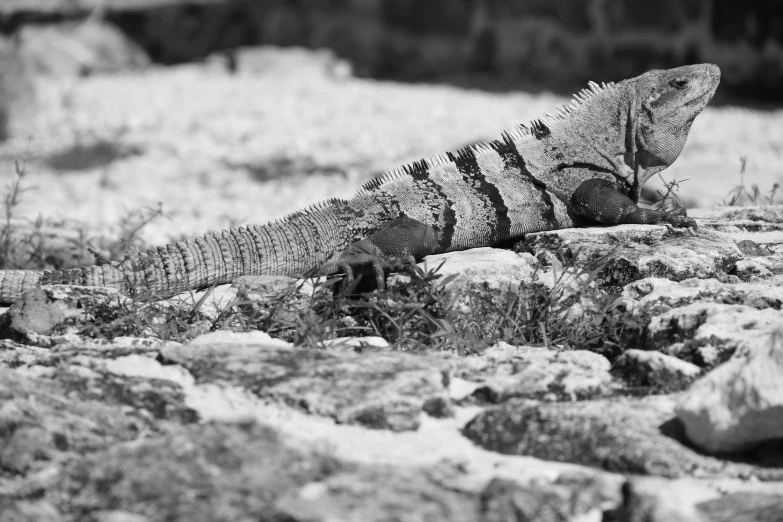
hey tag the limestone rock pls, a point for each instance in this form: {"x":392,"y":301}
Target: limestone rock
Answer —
{"x":739,"y":404}
{"x":666,"y":294}
{"x":488,"y":269}
{"x":627,"y":435}
{"x":639,"y":251}
{"x":656,"y":500}
{"x":708,"y":333}
{"x":51,"y":308}
{"x":504,"y":372}
{"x":743,"y":507}
{"x":505,"y":499}
{"x":381,"y":390}
{"x":654,"y":369}
{"x":760,"y":268}
{"x":483,"y":279}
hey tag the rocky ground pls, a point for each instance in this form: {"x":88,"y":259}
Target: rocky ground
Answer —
{"x":654,"y":392}
{"x":682,"y":423}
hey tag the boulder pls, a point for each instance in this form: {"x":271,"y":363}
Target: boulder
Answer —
{"x":625,"y":253}
{"x":738,"y":405}
{"x":655,"y":370}
{"x":504,"y":372}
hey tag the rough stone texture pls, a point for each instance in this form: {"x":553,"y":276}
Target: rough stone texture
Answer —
{"x":705,"y":321}
{"x":743,"y":507}
{"x":760,"y":268}
{"x":377,"y":390}
{"x":667,"y":294}
{"x":52,"y":308}
{"x":632,"y":252}
{"x":505,"y":499}
{"x":739,"y":404}
{"x":483,"y":279}
{"x":654,"y":369}
{"x":710,"y":333}
{"x":504,"y":372}
{"x":654,"y":500}
{"x":622,"y":435}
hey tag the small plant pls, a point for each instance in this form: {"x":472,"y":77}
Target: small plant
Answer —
{"x":754,"y":196}
{"x":669,"y":200}
{"x":423,"y":313}
{"x":13,"y":197}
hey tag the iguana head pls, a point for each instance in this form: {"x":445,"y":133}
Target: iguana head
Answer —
{"x":665,"y":105}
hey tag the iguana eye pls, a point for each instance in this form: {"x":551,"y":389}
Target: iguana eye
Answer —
{"x":679,"y":84}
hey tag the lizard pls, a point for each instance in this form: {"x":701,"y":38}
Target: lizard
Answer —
{"x":585,"y":164}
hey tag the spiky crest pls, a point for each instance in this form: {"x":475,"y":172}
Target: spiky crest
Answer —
{"x":519,"y":132}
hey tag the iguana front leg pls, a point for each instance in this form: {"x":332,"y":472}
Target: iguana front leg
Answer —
{"x":599,"y":200}
{"x":401,"y":242}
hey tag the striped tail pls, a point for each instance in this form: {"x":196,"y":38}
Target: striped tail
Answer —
{"x":292,"y":246}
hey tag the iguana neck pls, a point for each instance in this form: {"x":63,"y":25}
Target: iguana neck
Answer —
{"x":594,"y":137}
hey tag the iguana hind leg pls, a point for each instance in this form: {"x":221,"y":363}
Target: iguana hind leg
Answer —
{"x":400,"y":243}
{"x":599,"y":200}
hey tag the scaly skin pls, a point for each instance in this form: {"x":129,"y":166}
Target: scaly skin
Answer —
{"x":586,"y":164}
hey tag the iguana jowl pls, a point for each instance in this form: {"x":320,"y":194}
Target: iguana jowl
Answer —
{"x":585,"y":164}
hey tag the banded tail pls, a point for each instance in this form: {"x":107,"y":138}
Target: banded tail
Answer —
{"x":292,"y":246}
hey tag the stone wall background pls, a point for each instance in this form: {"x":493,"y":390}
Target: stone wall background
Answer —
{"x":555,"y":44}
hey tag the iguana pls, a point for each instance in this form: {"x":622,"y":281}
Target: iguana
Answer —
{"x":585,"y":164}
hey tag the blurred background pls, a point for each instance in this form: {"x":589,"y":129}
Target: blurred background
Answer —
{"x":239,"y":111}
{"x":552,"y":44}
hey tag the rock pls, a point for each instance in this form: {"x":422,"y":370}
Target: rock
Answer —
{"x":223,"y":337}
{"x":79,"y":49}
{"x":666,"y":294}
{"x":199,"y":473}
{"x":356,"y":344}
{"x":743,"y":507}
{"x":624,"y":435}
{"x":380,"y":390}
{"x":655,"y":500}
{"x":488,"y":269}
{"x":504,"y":372}
{"x":708,"y":333}
{"x":506,"y":500}
{"x":43,"y":420}
{"x":654,"y":369}
{"x":34,"y":312}
{"x":482,"y":279}
{"x":29,"y":511}
{"x":377,"y":494}
{"x":739,"y":404}
{"x":760,"y":268}
{"x":13,"y":354}
{"x":631,"y":252}
{"x":52,"y":308}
